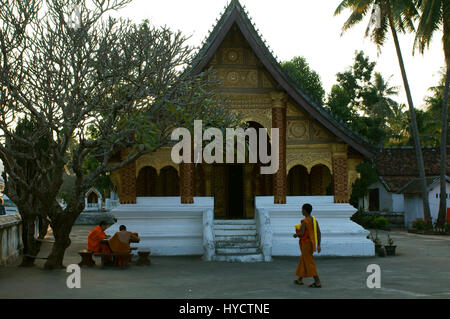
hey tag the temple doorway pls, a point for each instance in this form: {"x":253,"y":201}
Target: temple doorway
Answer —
{"x":235,"y":191}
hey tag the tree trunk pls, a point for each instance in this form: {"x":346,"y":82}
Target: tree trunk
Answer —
{"x":61,"y":232}
{"x":443,"y":148}
{"x":414,"y":129}
{"x":31,"y":247}
{"x":43,"y":226}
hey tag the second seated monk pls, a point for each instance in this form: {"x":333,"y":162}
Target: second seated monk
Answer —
{"x":120,"y":242}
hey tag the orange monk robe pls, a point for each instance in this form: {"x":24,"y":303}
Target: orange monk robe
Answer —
{"x":306,"y":267}
{"x":95,"y":238}
{"x":120,"y":242}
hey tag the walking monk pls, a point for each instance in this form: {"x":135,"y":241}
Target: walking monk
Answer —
{"x":309,"y":235}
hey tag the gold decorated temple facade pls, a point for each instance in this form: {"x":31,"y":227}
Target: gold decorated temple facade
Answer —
{"x":318,"y":155}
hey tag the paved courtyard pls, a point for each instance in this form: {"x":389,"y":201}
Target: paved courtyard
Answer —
{"x":421,"y":270}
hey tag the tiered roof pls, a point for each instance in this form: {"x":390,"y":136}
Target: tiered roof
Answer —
{"x":236,"y":14}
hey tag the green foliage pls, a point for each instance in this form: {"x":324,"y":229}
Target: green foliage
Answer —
{"x":309,"y":80}
{"x":367,"y":176}
{"x":103,"y":182}
{"x":370,"y":220}
{"x":420,"y":224}
{"x":362,"y":100}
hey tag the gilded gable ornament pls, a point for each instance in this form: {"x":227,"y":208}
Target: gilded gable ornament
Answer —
{"x":239,"y":78}
{"x":233,"y":56}
{"x":297,"y":130}
{"x":319,"y":133}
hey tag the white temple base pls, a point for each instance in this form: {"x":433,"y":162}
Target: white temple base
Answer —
{"x":167,"y":227}
{"x":340,"y":236}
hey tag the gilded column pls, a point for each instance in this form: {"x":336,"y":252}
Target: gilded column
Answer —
{"x":187,"y":183}
{"x":127,"y":182}
{"x":248,"y":191}
{"x":208,"y":177}
{"x":279,"y":121}
{"x":340,"y":174}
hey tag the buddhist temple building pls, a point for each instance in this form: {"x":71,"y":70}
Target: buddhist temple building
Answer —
{"x":318,"y":156}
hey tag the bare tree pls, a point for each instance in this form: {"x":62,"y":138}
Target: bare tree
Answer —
{"x":96,"y":83}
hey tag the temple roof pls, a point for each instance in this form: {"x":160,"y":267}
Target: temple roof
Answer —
{"x":235,"y":14}
{"x":397,"y":167}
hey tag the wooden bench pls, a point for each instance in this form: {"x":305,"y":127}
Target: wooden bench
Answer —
{"x":120,"y":259}
{"x":143,"y":258}
{"x":86,"y":258}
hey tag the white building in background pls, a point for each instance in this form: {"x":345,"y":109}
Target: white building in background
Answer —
{"x":413,"y":199}
{"x":398,"y":189}
{"x":93,"y":200}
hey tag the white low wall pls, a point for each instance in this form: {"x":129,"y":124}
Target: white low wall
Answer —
{"x":167,"y":227}
{"x":10,"y":239}
{"x":340,"y":236}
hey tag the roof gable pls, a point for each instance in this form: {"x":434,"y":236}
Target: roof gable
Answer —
{"x":235,"y":14}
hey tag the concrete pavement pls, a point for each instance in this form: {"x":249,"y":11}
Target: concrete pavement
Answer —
{"x":420,"y":270}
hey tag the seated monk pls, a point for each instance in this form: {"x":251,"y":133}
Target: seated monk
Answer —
{"x":95,"y":238}
{"x":120,"y":243}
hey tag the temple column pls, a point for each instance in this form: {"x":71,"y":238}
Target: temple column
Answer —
{"x":340,"y":173}
{"x":187,"y":183}
{"x":207,"y":168}
{"x":127,"y":182}
{"x":279,"y":121}
{"x":248,"y":191}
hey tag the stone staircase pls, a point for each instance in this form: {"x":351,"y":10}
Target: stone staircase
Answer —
{"x":236,"y":241}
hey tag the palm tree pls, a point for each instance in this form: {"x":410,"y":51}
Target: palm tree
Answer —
{"x":393,"y":15}
{"x":434,"y":15}
{"x":384,"y":106}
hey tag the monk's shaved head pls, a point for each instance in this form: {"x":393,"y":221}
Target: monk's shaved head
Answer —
{"x":307,"y":208}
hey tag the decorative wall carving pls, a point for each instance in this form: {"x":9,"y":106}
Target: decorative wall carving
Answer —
{"x":233,"y":56}
{"x":158,"y":160}
{"x":292,"y":111}
{"x":187,"y":183}
{"x":319,"y":133}
{"x":340,"y":178}
{"x":213,"y":60}
{"x":252,"y":59}
{"x":261,"y":116}
{"x":279,"y":121}
{"x":127,"y":191}
{"x":244,"y":78}
{"x":307,"y":158}
{"x":266,"y":83}
{"x":245,"y":101}
{"x":298,"y":130}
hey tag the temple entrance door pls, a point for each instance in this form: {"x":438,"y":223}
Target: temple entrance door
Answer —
{"x":235,"y":191}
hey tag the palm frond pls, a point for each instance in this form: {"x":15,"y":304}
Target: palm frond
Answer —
{"x":430,"y":21}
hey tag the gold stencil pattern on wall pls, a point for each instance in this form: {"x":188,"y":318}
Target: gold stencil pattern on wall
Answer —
{"x":298,"y":130}
{"x":266,"y":83}
{"x":245,"y":101}
{"x":239,"y":78}
{"x":233,"y":56}
{"x":252,"y":58}
{"x":292,"y":110}
{"x":319,"y":133}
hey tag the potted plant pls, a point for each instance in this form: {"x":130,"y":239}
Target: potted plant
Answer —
{"x":390,"y":247}
{"x":378,"y":250}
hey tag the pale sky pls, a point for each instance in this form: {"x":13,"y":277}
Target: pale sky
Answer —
{"x":305,"y":28}
{"x":299,"y":27}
